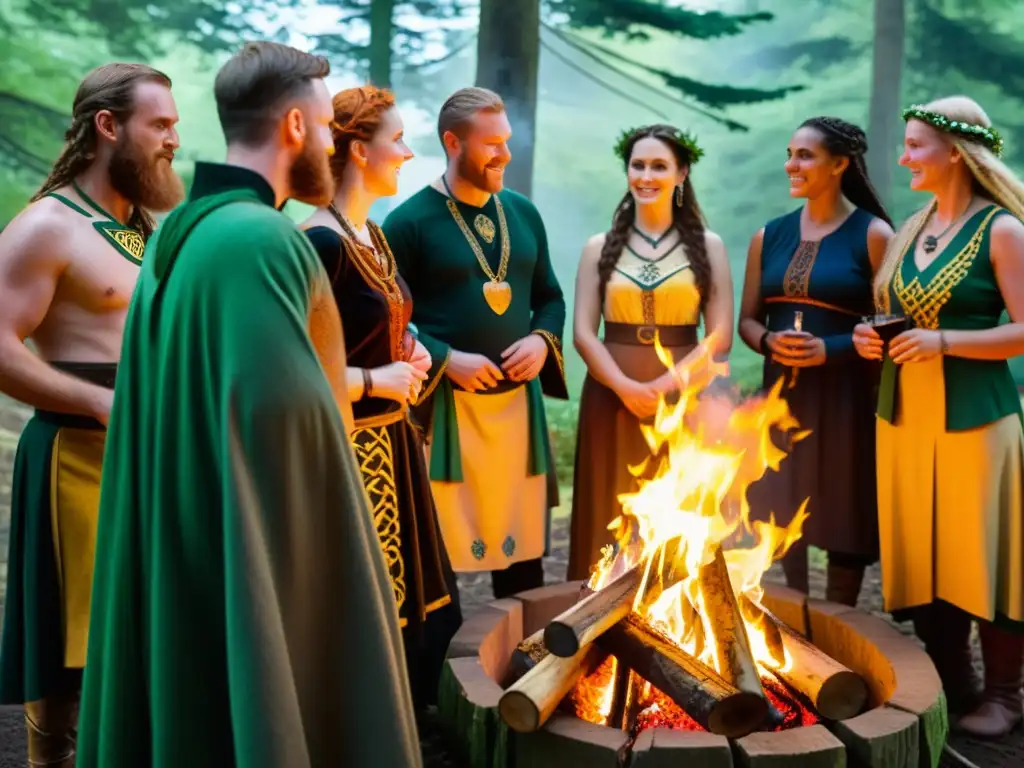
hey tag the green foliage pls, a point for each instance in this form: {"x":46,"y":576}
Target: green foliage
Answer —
{"x":562,"y":417}
{"x":645,"y":20}
{"x":410,"y":44}
{"x":140,"y":30}
{"x":633,"y":20}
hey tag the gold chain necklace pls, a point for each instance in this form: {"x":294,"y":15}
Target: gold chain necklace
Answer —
{"x":380,"y":277}
{"x":497,"y":292}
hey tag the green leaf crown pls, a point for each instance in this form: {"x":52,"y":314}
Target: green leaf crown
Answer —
{"x":988,"y":137}
{"x":682,"y":138}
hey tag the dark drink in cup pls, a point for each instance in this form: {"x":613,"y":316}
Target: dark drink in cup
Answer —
{"x":888,"y":327}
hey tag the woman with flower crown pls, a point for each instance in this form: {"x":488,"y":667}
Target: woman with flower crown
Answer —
{"x":950,"y":441}
{"x":808,"y":283}
{"x":386,"y":368}
{"x":658,"y":270}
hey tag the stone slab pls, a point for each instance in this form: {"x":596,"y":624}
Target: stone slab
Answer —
{"x":665,"y":748}
{"x":880,"y":738}
{"x":810,"y":747}
{"x":566,"y":742}
{"x":541,"y":605}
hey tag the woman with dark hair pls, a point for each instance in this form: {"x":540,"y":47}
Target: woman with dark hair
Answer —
{"x":657,"y":270}
{"x":386,"y":368}
{"x":808,"y":283}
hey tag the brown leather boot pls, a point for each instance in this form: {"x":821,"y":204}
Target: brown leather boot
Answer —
{"x":1001,"y":709}
{"x":945,"y":631}
{"x":843,"y":585}
{"x":51,"y":724}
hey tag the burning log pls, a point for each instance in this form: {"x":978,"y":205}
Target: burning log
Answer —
{"x":527,"y":655}
{"x":578,"y":626}
{"x":836,"y":692}
{"x":529,"y":702}
{"x":726,"y":628}
{"x":718,"y":706}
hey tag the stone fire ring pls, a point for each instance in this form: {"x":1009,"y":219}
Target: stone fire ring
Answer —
{"x":905,"y":725}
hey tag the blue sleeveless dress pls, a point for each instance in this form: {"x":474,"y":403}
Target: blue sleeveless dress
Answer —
{"x":829,"y":281}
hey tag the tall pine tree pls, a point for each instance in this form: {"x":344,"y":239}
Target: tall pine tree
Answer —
{"x":508,"y":57}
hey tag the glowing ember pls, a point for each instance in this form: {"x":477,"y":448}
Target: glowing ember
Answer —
{"x":705,"y":454}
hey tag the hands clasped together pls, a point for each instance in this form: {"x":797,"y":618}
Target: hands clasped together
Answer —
{"x":796,"y":349}
{"x":403,"y":380}
{"x":522,"y":361}
{"x":913,"y":346}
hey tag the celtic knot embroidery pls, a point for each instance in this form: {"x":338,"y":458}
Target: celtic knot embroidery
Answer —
{"x":923,"y":304}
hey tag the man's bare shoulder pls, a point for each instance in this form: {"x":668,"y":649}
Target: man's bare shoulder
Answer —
{"x":41,"y":231}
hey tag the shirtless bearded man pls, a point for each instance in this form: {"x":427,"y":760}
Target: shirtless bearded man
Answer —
{"x":68,"y":266}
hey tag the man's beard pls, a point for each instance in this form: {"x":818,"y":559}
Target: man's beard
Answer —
{"x":478,"y":176}
{"x":310,"y":177}
{"x":148,"y":183}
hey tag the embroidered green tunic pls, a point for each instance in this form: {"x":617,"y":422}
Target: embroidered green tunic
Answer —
{"x":242,"y":612}
{"x":950,"y":446}
{"x":450,"y":312}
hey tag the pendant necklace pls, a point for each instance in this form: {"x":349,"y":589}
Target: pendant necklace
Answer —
{"x":931,"y":242}
{"x":127,"y":240}
{"x":497,"y":292}
{"x":652,"y":241}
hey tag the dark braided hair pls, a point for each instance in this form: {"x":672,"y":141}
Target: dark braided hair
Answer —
{"x":112,"y":88}
{"x":688,"y":219}
{"x":843,"y":139}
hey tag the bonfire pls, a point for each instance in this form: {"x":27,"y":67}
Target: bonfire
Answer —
{"x":670,"y":630}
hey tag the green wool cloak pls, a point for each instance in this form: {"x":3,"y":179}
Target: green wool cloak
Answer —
{"x":242,"y":612}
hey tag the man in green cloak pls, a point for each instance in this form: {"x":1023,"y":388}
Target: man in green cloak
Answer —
{"x":242,"y":612}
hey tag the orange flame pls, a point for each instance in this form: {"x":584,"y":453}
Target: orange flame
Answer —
{"x":706,"y":451}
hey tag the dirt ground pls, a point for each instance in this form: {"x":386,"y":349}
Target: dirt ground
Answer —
{"x":475,"y":591}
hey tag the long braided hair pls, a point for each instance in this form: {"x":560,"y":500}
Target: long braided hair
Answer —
{"x":687,"y":219}
{"x":843,"y":139}
{"x":110,"y":87}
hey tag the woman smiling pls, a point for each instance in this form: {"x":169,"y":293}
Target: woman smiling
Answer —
{"x":658,"y":270}
{"x":808,"y":282}
{"x":950,"y":443}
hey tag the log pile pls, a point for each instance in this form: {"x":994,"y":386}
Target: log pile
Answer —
{"x":729,"y":701}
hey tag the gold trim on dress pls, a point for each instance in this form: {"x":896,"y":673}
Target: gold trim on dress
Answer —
{"x":923,"y":304}
{"x":381,"y":278}
{"x":375,"y":455}
{"x":797,"y":281}
{"x":555,"y":345}
{"x":383,"y":419}
{"x":432,"y":385}
{"x":441,"y":602}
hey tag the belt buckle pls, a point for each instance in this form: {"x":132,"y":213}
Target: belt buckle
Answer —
{"x":645,"y":334}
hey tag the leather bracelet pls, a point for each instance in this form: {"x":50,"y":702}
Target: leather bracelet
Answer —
{"x":943,"y":344}
{"x":763,"y":344}
{"x":367,"y":383}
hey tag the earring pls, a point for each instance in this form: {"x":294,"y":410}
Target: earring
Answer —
{"x":679,"y":196}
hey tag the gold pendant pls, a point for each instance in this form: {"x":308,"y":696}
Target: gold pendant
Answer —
{"x":485,"y":227}
{"x":498,"y":296}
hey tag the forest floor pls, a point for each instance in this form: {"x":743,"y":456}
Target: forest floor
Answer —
{"x":475,"y":591}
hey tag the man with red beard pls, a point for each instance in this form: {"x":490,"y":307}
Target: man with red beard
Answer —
{"x":68,"y":266}
{"x":242,"y":610}
{"x":489,"y":310}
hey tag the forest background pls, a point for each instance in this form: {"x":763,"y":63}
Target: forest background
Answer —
{"x":740,"y":74}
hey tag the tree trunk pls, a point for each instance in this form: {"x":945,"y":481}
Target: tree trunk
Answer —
{"x":507,"y":62}
{"x":884,"y":112}
{"x":382,"y":30}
